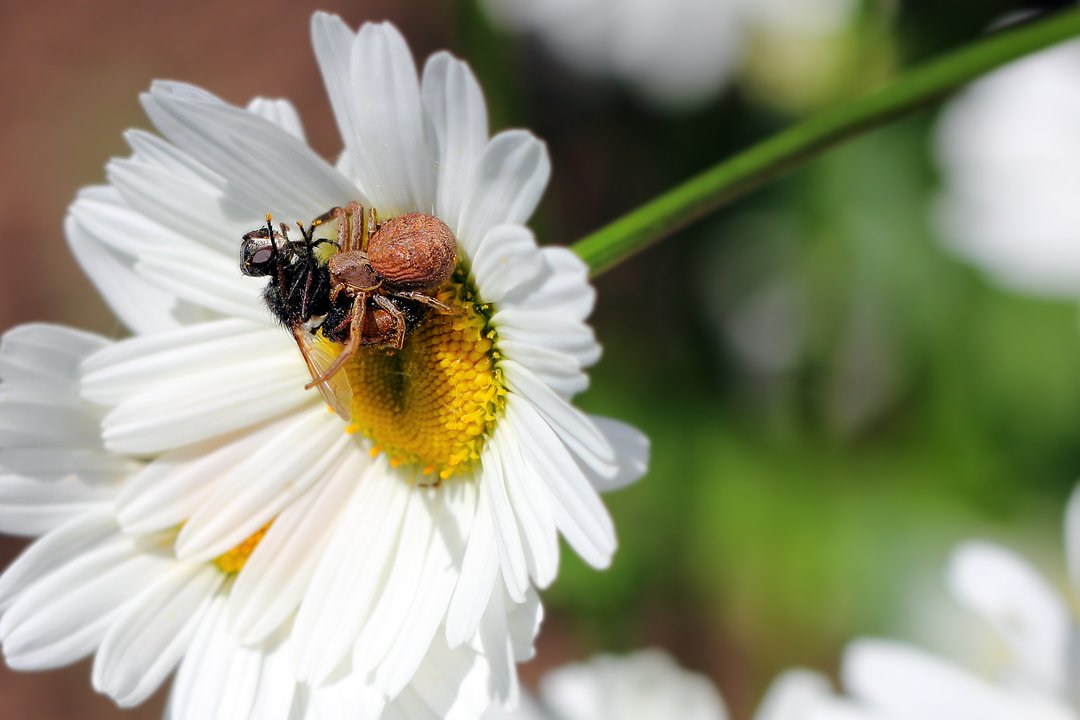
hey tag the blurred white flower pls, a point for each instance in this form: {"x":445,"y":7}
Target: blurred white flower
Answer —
{"x":1009,"y":150}
{"x":675,"y":52}
{"x":650,"y":685}
{"x":197,"y":507}
{"x":1034,"y":677}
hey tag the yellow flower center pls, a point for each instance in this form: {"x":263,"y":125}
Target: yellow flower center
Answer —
{"x":234,"y":560}
{"x":432,"y":403}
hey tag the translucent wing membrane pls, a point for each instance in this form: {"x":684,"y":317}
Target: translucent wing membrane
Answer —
{"x":319,"y":355}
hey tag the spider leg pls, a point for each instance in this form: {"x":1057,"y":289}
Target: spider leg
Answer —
{"x":357,"y":236}
{"x":399,"y":320}
{"x":420,"y":297}
{"x":371,"y":225}
{"x":335,"y":291}
{"x":343,"y":235}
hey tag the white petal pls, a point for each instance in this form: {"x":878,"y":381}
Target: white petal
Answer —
{"x":647,"y":682}
{"x":556,"y":369}
{"x":220,"y":679}
{"x":400,"y":588}
{"x":499,"y":651}
{"x":64,"y":615}
{"x":529,"y":497}
{"x":333,"y":41}
{"x":564,"y":289}
{"x":574,"y":428}
{"x":87,"y":465}
{"x":175,"y":191}
{"x":109,"y":221}
{"x":176,"y":202}
{"x":479,"y":570}
{"x":407,"y":634}
{"x":281,"y":112}
{"x":577,"y":509}
{"x":272,"y":582}
{"x":387,"y":141}
{"x":805,"y":695}
{"x":248,"y":151}
{"x":631,"y":453}
{"x":454,"y":103}
{"x":543,"y":327}
{"x":104,"y":214}
{"x":149,"y":149}
{"x":506,"y":258}
{"x":455,"y":684}
{"x":40,"y":423}
{"x":350,"y":575}
{"x":200,"y":681}
{"x":204,"y":278}
{"x":904,"y":682}
{"x":131,"y":366}
{"x":523,"y":624}
{"x":1072,"y":539}
{"x":507,"y":539}
{"x":32,"y":507}
{"x":46,"y":354}
{"x":189,"y":408}
{"x":81,"y":534}
{"x":257,"y":489}
{"x":278,"y":695}
{"x":171,"y":488}
{"x":142,"y":307}
{"x":151,"y":635}
{"x":410,"y":706}
{"x":203,"y":678}
{"x":1018,"y":602}
{"x":426,"y":615}
{"x":506,"y":186}
{"x":350,"y":698}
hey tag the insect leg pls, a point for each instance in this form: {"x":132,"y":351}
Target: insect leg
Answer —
{"x":355,"y":331}
{"x":330,"y":214}
{"x":278,"y":256}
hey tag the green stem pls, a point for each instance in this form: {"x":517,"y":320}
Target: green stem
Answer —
{"x":752,"y":168}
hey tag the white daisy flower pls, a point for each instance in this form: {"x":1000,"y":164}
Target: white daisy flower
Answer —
{"x":88,"y":587}
{"x":650,"y":685}
{"x":392,"y":559}
{"x":674,"y":52}
{"x":1033,"y":676}
{"x":1009,"y":152}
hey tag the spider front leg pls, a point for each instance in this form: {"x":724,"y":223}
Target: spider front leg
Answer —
{"x":399,"y":320}
{"x":355,"y":332}
{"x":424,"y":299}
{"x":357,"y":230}
{"x":337,"y":290}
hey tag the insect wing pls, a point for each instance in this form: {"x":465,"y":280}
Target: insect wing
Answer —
{"x":337,"y":392}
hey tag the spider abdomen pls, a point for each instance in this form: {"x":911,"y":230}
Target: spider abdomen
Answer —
{"x":413,"y":252}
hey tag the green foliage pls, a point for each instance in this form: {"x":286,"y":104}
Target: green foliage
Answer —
{"x":833,"y":398}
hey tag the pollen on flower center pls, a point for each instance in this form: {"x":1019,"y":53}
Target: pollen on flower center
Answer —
{"x":233,"y":561}
{"x":432,"y":403}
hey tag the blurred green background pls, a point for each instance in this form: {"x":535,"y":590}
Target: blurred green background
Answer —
{"x":833,"y":399}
